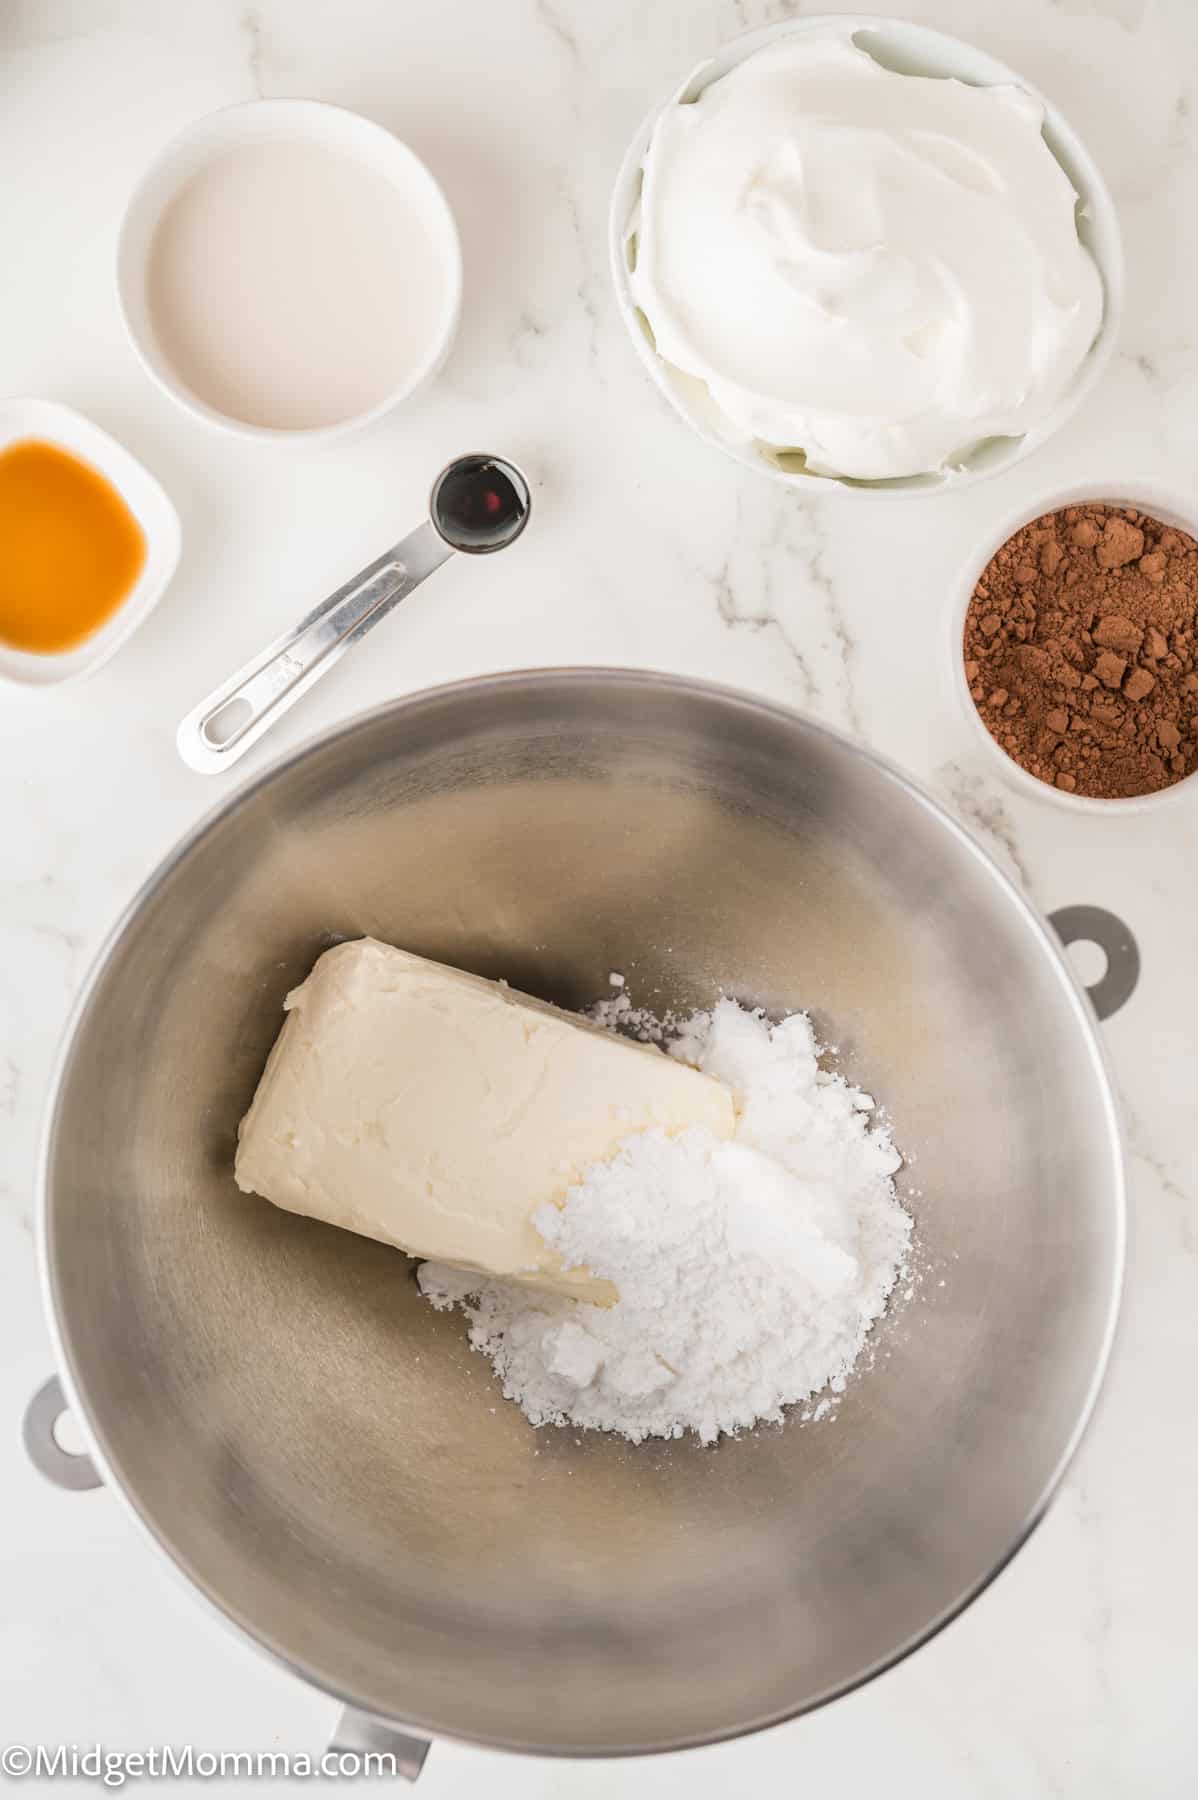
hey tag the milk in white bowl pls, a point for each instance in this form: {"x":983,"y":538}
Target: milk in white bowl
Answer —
{"x":289,"y":267}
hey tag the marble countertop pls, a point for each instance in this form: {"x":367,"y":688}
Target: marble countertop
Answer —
{"x":1074,"y":1674}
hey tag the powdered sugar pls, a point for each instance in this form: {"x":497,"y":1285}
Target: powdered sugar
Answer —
{"x":749,"y":1272}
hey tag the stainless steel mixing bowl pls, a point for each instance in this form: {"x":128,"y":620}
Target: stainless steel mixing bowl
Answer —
{"x":322,"y":1455}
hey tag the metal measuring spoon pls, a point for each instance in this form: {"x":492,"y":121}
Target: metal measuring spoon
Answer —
{"x":477,"y":504}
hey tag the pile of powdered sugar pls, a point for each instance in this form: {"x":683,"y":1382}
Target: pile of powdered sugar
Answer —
{"x":748,"y":1272}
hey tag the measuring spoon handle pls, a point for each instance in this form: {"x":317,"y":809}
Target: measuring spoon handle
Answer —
{"x":231,"y":719}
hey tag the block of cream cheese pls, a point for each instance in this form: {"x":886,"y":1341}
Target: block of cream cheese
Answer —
{"x":437,"y":1111}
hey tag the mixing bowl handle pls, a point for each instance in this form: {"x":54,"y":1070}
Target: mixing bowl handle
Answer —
{"x":1094,"y":925}
{"x":65,"y":1468}
{"x":357,"y":1733}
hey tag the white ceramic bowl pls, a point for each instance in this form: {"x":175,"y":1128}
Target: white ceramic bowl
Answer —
{"x":916,"y":50}
{"x":263,"y":121}
{"x":1171,"y":510}
{"x":47,"y":421}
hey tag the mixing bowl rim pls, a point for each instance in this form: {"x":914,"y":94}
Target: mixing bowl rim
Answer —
{"x":429,"y":699}
{"x":1097,"y":200}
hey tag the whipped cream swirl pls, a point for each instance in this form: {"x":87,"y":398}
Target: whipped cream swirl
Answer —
{"x":879,"y":271}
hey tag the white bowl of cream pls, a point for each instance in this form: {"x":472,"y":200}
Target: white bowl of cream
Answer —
{"x":855,"y":252}
{"x":289,"y":269}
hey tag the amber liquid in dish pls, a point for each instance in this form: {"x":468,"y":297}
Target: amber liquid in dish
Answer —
{"x":70,"y":549}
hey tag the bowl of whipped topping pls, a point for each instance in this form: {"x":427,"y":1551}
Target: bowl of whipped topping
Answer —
{"x":856,"y":252}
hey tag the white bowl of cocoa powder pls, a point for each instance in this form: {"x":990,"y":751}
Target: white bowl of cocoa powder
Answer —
{"x":1075,"y":648}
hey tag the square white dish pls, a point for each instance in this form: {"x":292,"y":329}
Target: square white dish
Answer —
{"x":50,"y":422}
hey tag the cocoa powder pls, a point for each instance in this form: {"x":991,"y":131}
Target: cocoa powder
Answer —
{"x":1081,"y":650}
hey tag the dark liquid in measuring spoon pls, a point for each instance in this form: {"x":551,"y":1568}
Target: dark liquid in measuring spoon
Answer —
{"x":479,"y":506}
